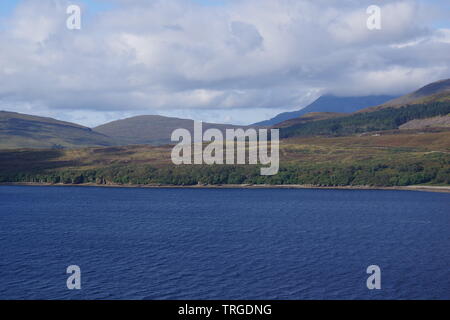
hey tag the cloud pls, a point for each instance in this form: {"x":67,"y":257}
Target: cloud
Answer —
{"x":241,"y":60}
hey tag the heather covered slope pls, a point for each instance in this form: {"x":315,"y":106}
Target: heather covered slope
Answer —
{"x":438,"y":91}
{"x":426,"y":107}
{"x":364,"y":122}
{"x":153,"y":130}
{"x":310,"y":117}
{"x":394,"y":158}
{"x":330,"y":103}
{"x":388,"y":146}
{"x":26,"y":131}
{"x":435,"y":122}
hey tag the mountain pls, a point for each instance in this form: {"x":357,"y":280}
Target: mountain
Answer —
{"x":330,"y":103}
{"x":310,"y":117}
{"x":363,"y":122}
{"x":429,"y":104}
{"x":151,"y":129}
{"x":25,"y":131}
{"x":425,"y":108}
{"x":438,"y":91}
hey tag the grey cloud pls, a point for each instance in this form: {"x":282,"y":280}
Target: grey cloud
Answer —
{"x":172,"y":56}
{"x":245,"y":37}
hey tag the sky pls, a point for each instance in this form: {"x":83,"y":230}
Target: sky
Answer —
{"x":224,"y":61}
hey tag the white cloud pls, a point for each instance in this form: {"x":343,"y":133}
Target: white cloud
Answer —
{"x":253,"y":58}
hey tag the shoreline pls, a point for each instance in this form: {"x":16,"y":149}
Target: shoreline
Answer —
{"x":440,"y":189}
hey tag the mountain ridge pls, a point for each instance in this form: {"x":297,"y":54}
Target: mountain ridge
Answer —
{"x":330,"y":103}
{"x":310,"y":117}
{"x":19,"y":130}
{"x":27,"y":131}
{"x":152,"y":129}
{"x":438,"y":91}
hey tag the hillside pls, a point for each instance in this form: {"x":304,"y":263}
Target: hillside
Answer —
{"x":154,"y":130}
{"x":427,"y":107}
{"x":362,"y":122}
{"x":438,"y":91}
{"x":310,"y":117}
{"x":435,"y":122}
{"x":330,"y":103}
{"x":396,"y":158}
{"x":390,"y":146}
{"x":26,"y":131}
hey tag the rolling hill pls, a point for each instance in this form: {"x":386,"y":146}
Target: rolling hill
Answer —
{"x":428,"y":107}
{"x":154,"y":130}
{"x":362,"y":122}
{"x":389,"y":146}
{"x":310,"y":117}
{"x":26,"y":131}
{"x":330,"y":103}
{"x":438,"y":91}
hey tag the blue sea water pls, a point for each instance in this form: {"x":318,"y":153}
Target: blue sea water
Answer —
{"x":223,"y":243}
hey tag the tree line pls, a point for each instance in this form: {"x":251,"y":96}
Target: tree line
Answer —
{"x":385,"y":119}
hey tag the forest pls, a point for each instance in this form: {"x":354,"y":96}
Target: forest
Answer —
{"x":386,"y":119}
{"x":432,"y":169}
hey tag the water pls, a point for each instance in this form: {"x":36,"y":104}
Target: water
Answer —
{"x":223,"y":244}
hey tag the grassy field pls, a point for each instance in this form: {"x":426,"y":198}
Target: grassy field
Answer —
{"x":392,"y":158}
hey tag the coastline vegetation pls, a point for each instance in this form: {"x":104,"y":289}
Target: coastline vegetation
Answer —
{"x":391,"y":159}
{"x":363,"y":149}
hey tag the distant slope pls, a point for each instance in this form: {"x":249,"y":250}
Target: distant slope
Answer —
{"x":361,"y":122}
{"x":154,"y":130}
{"x":423,"y":105}
{"x":438,"y":91}
{"x":26,"y":131}
{"x":435,"y":122}
{"x":310,"y":117}
{"x":330,"y":103}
